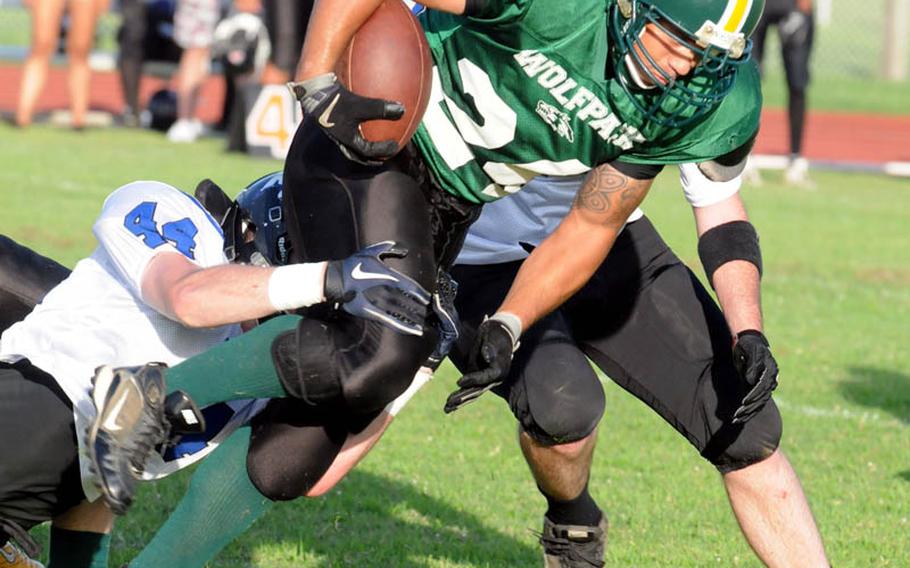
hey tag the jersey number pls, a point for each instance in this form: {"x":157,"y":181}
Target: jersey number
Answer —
{"x":181,"y":233}
{"x":498,"y":130}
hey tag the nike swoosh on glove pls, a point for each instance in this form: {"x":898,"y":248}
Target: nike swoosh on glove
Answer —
{"x":363,"y":285}
{"x":339,"y":113}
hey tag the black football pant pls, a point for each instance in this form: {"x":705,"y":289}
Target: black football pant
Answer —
{"x":25,"y":277}
{"x":646,"y":321}
{"x":39,"y":468}
{"x":349,"y":367}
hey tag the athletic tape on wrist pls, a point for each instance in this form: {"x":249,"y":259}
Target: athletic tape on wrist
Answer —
{"x":512,"y":323}
{"x":297,"y":286}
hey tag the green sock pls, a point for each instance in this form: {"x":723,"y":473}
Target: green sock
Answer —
{"x":220,"y":504}
{"x":78,"y":549}
{"x":239,"y":368}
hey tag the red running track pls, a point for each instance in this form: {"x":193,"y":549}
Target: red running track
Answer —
{"x":830,"y":136}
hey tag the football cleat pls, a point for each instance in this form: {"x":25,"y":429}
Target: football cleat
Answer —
{"x":130,"y":424}
{"x":12,"y":557}
{"x":185,"y":130}
{"x":573,"y":546}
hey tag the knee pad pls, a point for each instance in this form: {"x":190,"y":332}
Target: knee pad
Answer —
{"x":738,"y":446}
{"x":348,"y":363}
{"x":560,"y":424}
{"x":558,"y":398}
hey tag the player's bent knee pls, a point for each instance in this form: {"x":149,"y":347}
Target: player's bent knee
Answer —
{"x":558,"y":412}
{"x":554,"y":428}
{"x":572,"y":450}
{"x":758,"y":440}
{"x":358,"y":365}
{"x":291,"y":449}
{"x":389,"y":370}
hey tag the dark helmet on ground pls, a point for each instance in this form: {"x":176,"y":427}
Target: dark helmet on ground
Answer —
{"x":256,"y":210}
{"x":162,"y":109}
{"x":717,"y":31}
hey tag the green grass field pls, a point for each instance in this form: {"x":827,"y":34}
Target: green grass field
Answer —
{"x":453,"y":490}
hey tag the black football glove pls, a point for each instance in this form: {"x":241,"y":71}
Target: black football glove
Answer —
{"x":339,"y":113}
{"x":364,"y":286}
{"x":491,"y":358}
{"x":755,"y":364}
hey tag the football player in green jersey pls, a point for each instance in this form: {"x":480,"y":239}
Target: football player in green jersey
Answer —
{"x":616,"y":88}
{"x":520,"y":88}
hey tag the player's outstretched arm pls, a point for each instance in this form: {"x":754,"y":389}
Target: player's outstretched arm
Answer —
{"x":728,"y":247}
{"x":565,"y":260}
{"x":362,"y":284}
{"x":736,"y":281}
{"x":556,"y":269}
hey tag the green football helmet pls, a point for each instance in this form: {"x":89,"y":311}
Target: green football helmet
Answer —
{"x":717,"y":31}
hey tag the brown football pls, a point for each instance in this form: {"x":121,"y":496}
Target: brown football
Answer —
{"x":388,"y":58}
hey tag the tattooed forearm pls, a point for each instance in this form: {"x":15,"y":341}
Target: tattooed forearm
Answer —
{"x":606,"y":189}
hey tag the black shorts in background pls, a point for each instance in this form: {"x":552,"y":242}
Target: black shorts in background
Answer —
{"x":39,"y":457}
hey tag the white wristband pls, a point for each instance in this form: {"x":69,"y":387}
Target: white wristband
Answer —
{"x":297,"y":286}
{"x":512,"y":323}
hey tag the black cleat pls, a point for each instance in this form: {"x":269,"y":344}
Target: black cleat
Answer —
{"x":573,"y":546}
{"x":130,"y":423}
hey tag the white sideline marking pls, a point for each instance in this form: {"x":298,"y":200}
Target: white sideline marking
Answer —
{"x":873,"y":417}
{"x":777,"y":162}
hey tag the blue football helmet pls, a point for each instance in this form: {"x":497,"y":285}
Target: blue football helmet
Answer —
{"x":258,"y":210}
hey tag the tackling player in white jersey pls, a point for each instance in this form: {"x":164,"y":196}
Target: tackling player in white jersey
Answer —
{"x":159,"y":286}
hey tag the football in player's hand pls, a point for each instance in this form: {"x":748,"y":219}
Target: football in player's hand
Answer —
{"x":388,"y":58}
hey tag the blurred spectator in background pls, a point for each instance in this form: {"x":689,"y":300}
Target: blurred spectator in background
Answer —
{"x":795,"y":28}
{"x":46,"y":18}
{"x":194,"y":28}
{"x":241,"y":47}
{"x":286,"y":21}
{"x":146,"y":33}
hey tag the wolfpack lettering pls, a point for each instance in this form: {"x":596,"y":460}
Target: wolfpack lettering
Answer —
{"x":573,"y":97}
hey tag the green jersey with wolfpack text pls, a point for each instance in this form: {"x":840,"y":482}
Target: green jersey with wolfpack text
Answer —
{"x":524,"y":89}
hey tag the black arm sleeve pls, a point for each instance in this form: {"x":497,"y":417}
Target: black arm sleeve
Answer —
{"x":736,"y":240}
{"x":637,"y":171}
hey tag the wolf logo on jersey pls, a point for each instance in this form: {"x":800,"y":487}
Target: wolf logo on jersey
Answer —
{"x":558,"y":120}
